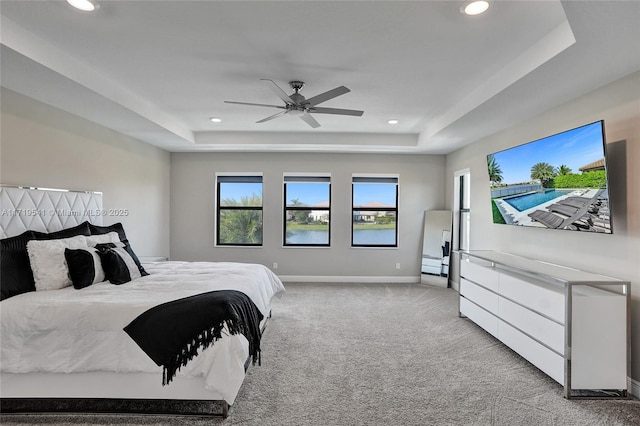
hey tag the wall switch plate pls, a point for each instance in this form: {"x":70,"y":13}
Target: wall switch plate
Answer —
{"x":397,"y":266}
{"x":275,"y":265}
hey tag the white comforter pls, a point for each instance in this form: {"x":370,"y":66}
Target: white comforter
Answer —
{"x":68,"y":330}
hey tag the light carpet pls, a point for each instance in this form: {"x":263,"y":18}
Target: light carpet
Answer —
{"x":376,"y":354}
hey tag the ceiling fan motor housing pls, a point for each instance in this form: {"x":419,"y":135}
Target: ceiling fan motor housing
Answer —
{"x":297,"y":98}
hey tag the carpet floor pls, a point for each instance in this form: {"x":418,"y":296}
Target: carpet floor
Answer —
{"x":375,"y":354}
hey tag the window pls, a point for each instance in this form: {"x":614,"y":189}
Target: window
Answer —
{"x":375,"y":211}
{"x":307,"y":210}
{"x":239,"y":212}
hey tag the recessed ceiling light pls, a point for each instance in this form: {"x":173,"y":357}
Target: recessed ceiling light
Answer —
{"x":216,"y":120}
{"x":475,"y":7}
{"x":84,"y":5}
{"x":393,"y":121}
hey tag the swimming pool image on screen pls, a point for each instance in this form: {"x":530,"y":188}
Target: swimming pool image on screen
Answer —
{"x":527,"y":201}
{"x":557,"y":182}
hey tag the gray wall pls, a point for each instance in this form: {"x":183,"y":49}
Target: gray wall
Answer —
{"x":45,"y":147}
{"x":617,"y":255}
{"x":192,"y":212}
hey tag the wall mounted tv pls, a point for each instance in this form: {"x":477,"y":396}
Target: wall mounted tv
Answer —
{"x":557,"y":182}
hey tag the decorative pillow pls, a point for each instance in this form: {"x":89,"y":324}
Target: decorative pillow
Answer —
{"x":85,"y":266}
{"x":15,"y":271}
{"x":119,"y":266}
{"x":82,"y":229}
{"x":94,"y":240}
{"x":117,"y":227}
{"x":50,"y":271}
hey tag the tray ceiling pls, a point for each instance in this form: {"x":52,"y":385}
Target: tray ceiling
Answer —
{"x":158,"y":70}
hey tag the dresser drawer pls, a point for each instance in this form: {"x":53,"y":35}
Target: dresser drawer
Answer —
{"x":544,"y":330}
{"x":543,"y":298}
{"x":544,"y":358}
{"x":485,"y":276}
{"x":478,"y":315}
{"x":479,"y":295}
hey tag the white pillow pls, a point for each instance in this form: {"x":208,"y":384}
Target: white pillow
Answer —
{"x":111,"y":237}
{"x":50,"y":271}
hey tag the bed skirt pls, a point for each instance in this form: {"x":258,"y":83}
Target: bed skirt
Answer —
{"x":108,"y":392}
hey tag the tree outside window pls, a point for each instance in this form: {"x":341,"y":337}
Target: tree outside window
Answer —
{"x":239,"y":213}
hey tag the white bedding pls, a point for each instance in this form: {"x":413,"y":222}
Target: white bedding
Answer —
{"x":69,"y":330}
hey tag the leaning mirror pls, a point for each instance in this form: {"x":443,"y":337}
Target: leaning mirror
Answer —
{"x":436,"y":247}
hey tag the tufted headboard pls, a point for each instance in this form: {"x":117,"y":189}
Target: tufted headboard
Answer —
{"x":46,"y":210}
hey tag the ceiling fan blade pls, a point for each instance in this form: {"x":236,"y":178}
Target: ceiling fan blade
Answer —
{"x":248,"y":103}
{"x":279,"y":92}
{"x":271,"y":117}
{"x":323,"y":97}
{"x":307,"y":118}
{"x":338,"y":111}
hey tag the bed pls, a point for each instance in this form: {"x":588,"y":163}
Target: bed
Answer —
{"x":69,"y":345}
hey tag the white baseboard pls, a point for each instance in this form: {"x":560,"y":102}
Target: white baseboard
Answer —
{"x":348,"y":279}
{"x":635,"y":388}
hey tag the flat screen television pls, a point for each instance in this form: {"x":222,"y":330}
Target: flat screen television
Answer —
{"x":557,"y":182}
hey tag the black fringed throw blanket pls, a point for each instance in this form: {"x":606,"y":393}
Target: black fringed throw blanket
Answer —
{"x":173,"y":332}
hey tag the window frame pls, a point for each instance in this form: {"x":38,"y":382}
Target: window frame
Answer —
{"x":238,"y":178}
{"x":320,"y":178}
{"x":375,"y":179}
{"x":464,"y":212}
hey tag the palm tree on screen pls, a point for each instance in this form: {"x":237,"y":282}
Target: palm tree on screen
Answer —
{"x":495,"y":173}
{"x":543,"y":172}
{"x":563,"y":170}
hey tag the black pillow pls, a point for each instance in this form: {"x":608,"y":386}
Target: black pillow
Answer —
{"x":82,"y":229}
{"x":85,"y":267}
{"x":117,"y":227}
{"x":16,"y":276}
{"x":119,"y":267}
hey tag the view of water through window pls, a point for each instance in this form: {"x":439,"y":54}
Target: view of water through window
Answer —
{"x":374,"y":236}
{"x":374,"y":211}
{"x":360,"y":236}
{"x":307,"y":210}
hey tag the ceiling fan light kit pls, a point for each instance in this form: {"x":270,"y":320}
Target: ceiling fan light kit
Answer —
{"x":297,"y":104}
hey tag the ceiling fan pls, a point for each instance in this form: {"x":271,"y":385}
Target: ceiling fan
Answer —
{"x":296,"y":104}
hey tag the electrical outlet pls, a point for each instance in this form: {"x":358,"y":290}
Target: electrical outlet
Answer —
{"x":397,"y":266}
{"x":275,"y":265}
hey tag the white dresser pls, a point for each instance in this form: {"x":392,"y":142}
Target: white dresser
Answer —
{"x":572,"y":325}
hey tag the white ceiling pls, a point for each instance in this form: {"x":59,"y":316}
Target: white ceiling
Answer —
{"x":157,"y":70}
